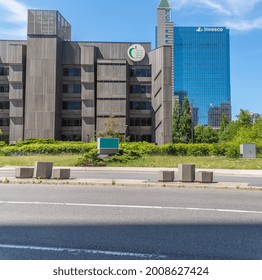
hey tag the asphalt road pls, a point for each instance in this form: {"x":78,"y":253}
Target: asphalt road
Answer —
{"x":95,"y":222}
{"x":147,"y":176}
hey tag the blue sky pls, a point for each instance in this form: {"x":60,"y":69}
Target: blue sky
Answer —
{"x":135,"y":20}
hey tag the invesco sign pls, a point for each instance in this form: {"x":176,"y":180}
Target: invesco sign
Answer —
{"x":136,"y":53}
{"x":210,"y":29}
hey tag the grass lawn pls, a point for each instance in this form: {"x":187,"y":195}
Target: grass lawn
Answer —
{"x":201,"y":162}
{"x":147,"y":161}
{"x":58,"y":160}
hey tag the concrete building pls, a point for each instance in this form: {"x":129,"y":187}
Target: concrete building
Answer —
{"x":52,"y":87}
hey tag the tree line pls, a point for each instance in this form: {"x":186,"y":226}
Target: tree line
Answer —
{"x":240,"y":131}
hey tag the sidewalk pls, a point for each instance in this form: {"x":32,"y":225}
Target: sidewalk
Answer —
{"x":154,"y":169}
{"x":137,"y":183}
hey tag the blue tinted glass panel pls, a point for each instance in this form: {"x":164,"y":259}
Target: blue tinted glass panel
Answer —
{"x":202,"y":72}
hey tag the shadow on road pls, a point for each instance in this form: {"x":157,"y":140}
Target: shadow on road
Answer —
{"x":194,"y":241}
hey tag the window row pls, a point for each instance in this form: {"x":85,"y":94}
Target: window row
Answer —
{"x":4,"y":105}
{"x":71,"y":72}
{"x":4,"y":88}
{"x":72,"y":88}
{"x":112,"y":64}
{"x":143,"y":137}
{"x":71,"y":122}
{"x":140,"y":121}
{"x":4,"y":70}
{"x":140,"y":89}
{"x":71,"y":105}
{"x":139,"y":72}
{"x":4,"y":122}
{"x":114,"y":82}
{"x":135,"y":105}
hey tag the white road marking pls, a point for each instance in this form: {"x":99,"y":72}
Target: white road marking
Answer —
{"x":130,"y":206}
{"x":81,"y":251}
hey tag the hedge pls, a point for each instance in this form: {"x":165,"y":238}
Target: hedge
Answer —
{"x":127,"y":151}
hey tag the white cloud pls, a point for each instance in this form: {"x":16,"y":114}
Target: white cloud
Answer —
{"x":245,"y":25}
{"x":14,"y":13}
{"x":210,"y":4}
{"x":237,"y":10}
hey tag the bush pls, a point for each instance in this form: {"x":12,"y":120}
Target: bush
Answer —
{"x":91,"y":159}
{"x":233,"y":151}
{"x":219,"y":149}
{"x":2,"y":144}
{"x":54,"y":149}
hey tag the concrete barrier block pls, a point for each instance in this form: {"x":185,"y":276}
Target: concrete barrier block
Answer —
{"x":186,"y":172}
{"x":204,"y":176}
{"x":43,"y":170}
{"x":24,"y":172}
{"x":166,"y":176}
{"x":61,"y":173}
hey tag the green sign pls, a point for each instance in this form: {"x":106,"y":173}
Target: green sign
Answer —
{"x":108,"y":145}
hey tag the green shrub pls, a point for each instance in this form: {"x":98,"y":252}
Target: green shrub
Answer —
{"x":233,"y":151}
{"x":91,"y":159}
{"x":2,"y":144}
{"x":219,"y":149}
{"x":199,"y":149}
{"x":53,"y":149}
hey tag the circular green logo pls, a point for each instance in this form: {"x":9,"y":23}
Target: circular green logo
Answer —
{"x":136,"y":53}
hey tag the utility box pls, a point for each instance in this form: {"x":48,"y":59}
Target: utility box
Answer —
{"x":248,"y":150}
{"x":108,"y":146}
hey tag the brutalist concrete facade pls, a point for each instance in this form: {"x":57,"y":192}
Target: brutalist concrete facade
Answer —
{"x":52,"y":87}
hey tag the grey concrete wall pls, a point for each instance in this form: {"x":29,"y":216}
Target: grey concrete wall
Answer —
{"x":42,"y":86}
{"x":13,"y":55}
{"x":162,"y":27}
{"x":88,"y":92}
{"x":111,"y":92}
{"x":161,"y":60}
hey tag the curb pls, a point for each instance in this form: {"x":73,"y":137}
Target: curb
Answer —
{"x":129,"y":183}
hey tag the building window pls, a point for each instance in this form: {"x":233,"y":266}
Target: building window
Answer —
{"x":72,"y":88}
{"x":143,"y":137}
{"x":4,"y":71}
{"x":4,"y":88}
{"x":72,"y":72}
{"x":71,"y":137}
{"x":4,"y":105}
{"x":140,"y":72}
{"x":135,"y":105}
{"x":71,"y":122}
{"x":140,"y":122}
{"x":114,"y":82}
{"x":72,"y":105}
{"x":111,"y":64}
{"x":4,"y":122}
{"x":140,"y":89}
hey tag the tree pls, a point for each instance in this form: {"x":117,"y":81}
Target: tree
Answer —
{"x":198,"y":135}
{"x":176,"y":133}
{"x":224,"y":123}
{"x":112,"y":128}
{"x":205,"y":134}
{"x":239,"y":129}
{"x":244,"y":118}
{"x":1,"y":133}
{"x":186,"y":122}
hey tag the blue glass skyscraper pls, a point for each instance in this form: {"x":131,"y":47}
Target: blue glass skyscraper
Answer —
{"x":202,"y":72}
{"x":201,"y":66}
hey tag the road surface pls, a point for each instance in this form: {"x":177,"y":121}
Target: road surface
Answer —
{"x":96,"y":222}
